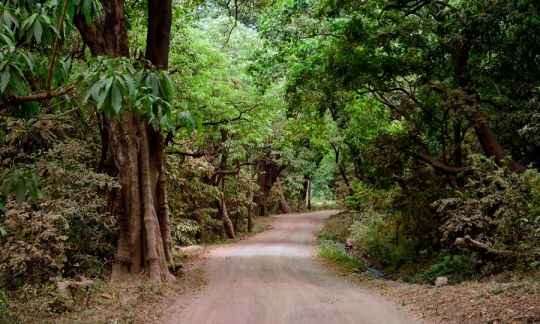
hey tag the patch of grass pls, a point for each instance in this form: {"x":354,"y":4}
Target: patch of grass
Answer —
{"x":334,"y":255}
{"x":260,"y":224}
{"x":322,"y":204}
{"x":455,"y":267}
{"x":336,"y":227}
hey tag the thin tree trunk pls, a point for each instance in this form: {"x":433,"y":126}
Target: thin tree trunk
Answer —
{"x":229,"y":229}
{"x":284,"y":206}
{"x":342,"y":171}
{"x":250,"y":212}
{"x":250,"y":201}
{"x":346,"y":180}
{"x":202,"y":238}
{"x":303,"y":196}
{"x":309,"y":194}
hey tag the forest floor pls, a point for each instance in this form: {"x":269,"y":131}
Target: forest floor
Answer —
{"x":508,"y":297}
{"x":120,"y":302}
{"x":273,"y":278}
{"x":496,"y":300}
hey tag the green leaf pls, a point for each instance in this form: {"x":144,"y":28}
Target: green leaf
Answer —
{"x":116,"y":98}
{"x":166,"y":86}
{"x":70,"y":10}
{"x":4,"y":79}
{"x":20,"y":192}
{"x":154,"y":83}
{"x":9,"y":42}
{"x":38,"y":31}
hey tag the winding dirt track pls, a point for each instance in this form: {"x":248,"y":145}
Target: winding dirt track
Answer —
{"x":272,"y":279}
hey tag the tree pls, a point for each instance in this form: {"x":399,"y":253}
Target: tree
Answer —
{"x":436,"y":66}
{"x":145,"y":243}
{"x":133,"y":100}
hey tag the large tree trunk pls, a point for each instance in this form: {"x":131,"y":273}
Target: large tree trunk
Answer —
{"x":145,"y":243}
{"x":284,"y":206}
{"x":267,"y":172}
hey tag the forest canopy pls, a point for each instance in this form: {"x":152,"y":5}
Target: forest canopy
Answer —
{"x":131,"y":128}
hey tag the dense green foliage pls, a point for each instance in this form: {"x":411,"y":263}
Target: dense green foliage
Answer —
{"x":415,"y":89}
{"x":419,"y":117}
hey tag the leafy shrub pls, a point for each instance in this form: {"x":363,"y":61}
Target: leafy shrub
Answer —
{"x":495,"y":206}
{"x":373,"y":238}
{"x":190,"y":199}
{"x":65,"y":234}
{"x":455,"y":267}
{"x":184,"y":230}
{"x":193,"y":200}
{"x":366,"y":196}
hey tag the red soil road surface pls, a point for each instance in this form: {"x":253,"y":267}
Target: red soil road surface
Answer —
{"x":271,"y":278}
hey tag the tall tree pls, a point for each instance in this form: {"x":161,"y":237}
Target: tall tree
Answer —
{"x":136,"y":149}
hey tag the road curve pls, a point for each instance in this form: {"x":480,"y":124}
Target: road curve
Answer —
{"x":272,"y":279}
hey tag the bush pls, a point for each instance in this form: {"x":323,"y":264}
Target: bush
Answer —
{"x":497,"y":207}
{"x":373,"y":239}
{"x":455,"y":267}
{"x":68,"y":232}
{"x":336,"y":227}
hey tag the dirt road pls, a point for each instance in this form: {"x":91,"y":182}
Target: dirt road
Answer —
{"x":271,"y":278}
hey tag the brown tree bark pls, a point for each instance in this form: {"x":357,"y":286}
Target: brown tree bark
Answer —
{"x":426,"y":157}
{"x":267,"y":172}
{"x":490,"y":144}
{"x":303,"y":195}
{"x":229,"y":229}
{"x":145,"y":243}
{"x":284,"y":206}
{"x":202,"y":237}
{"x":486,"y":251}
{"x":250,"y":207}
{"x":309,"y":194}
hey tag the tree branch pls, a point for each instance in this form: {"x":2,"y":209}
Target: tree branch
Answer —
{"x":39,"y":96}
{"x":226,"y":121}
{"x":322,"y":34}
{"x":468,"y":243}
{"x":426,"y":157}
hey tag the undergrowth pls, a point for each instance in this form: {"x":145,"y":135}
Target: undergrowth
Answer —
{"x":329,"y":252}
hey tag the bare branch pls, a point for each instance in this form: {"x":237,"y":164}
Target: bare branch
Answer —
{"x":322,"y":34}
{"x":39,"y":96}
{"x":426,"y":157}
